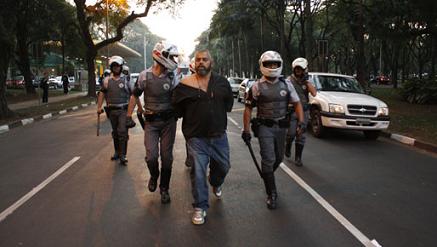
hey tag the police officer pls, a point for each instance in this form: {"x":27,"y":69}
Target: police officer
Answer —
{"x":272,"y":95}
{"x":299,"y":79}
{"x":157,"y":84}
{"x":116,"y":92}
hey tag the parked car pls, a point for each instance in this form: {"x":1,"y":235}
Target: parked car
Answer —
{"x":342,"y":103}
{"x":235,"y":84}
{"x":244,"y":87}
{"x":382,"y":79}
{"x":71,"y":81}
{"x":55,"y":82}
{"x":15,"y":82}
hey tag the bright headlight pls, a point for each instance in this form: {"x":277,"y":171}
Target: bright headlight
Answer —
{"x":383,"y":111}
{"x":334,"y":108}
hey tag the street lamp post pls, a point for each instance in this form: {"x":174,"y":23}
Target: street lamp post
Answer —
{"x":107,"y":35}
{"x":145,"y":51}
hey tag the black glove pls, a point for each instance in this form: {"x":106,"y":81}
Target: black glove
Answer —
{"x":130,"y":122}
{"x":246,"y":137}
{"x":301,"y":127}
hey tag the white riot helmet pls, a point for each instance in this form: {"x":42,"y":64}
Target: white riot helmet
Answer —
{"x":270,"y":56}
{"x":300,"y":62}
{"x":165,"y":54}
{"x":116,"y":59}
{"x":125,"y":69}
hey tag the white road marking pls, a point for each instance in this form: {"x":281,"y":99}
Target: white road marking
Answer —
{"x":27,"y":121}
{"x":74,"y":108}
{"x":49,"y":115}
{"x":238,"y":109}
{"x":35,"y":190}
{"x":63,"y":112}
{"x":403,"y":139}
{"x":339,"y":217}
{"x":234,"y":122}
{"x":4,"y":128}
{"x":84,"y":105}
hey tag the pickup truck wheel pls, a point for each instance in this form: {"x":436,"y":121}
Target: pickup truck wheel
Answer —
{"x":372,"y":134}
{"x":316,"y":124}
{"x":238,"y":99}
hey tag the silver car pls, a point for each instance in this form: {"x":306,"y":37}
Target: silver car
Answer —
{"x":243,"y":88}
{"x":235,"y":84}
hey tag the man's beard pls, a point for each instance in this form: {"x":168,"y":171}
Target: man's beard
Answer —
{"x":202,"y":70}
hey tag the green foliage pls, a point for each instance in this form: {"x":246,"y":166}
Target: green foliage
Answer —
{"x":134,"y":38}
{"x":420,"y":91}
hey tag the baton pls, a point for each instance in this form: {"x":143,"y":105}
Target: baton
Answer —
{"x":254,"y":158}
{"x":141,"y":119}
{"x":98,"y":124}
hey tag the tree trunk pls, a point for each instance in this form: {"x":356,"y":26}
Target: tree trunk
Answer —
{"x":309,"y":31}
{"x":22,"y":60}
{"x":4,"y":65}
{"x":433,"y":55}
{"x":91,"y":55}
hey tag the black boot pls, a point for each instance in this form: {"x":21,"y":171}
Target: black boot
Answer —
{"x":298,"y":158}
{"x":165,"y":197}
{"x":164,"y":185}
{"x":272,"y":195}
{"x":154,"y":174}
{"x":288,"y":146}
{"x":123,"y":152}
{"x":115,"y":156}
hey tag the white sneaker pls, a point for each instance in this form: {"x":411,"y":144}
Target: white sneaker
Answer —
{"x":217,"y":191}
{"x":198,"y":216}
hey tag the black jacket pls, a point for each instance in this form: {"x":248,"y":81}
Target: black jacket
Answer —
{"x":204,"y":113}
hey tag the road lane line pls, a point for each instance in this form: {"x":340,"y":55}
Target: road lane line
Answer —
{"x":237,"y":109}
{"x":35,"y":190}
{"x":339,"y":217}
{"x":234,"y":122}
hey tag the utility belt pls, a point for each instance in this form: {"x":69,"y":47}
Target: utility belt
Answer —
{"x":117,"y":107}
{"x":159,"y":116}
{"x":256,"y":122}
{"x":282,"y":123}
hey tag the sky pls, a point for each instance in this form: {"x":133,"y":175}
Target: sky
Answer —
{"x":193,"y":18}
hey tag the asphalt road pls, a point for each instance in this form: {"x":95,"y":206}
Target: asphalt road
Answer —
{"x":361,"y":190}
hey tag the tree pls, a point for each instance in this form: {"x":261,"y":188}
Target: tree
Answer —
{"x":38,"y":21}
{"x":8,"y":8}
{"x":135,"y":33}
{"x":88,"y":16}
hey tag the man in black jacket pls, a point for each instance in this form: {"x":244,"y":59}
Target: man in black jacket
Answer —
{"x":199,"y":98}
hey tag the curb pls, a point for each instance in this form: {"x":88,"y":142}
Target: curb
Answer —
{"x":26,"y":121}
{"x":411,"y":141}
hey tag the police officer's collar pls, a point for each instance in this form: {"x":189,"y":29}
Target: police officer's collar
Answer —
{"x":295,"y":79}
{"x":264,"y":79}
{"x":163,"y":74}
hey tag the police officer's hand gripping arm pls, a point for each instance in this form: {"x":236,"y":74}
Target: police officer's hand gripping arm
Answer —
{"x":101,"y":96}
{"x":247,"y":115}
{"x":246,"y":124}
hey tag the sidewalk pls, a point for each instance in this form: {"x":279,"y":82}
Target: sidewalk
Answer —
{"x":32,"y":103}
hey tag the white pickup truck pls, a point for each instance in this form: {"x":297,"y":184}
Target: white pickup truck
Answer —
{"x":342,"y":103}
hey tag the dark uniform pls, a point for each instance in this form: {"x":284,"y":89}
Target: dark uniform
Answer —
{"x":160,"y":126}
{"x":117,"y":93}
{"x":302,"y":91}
{"x":272,"y":100}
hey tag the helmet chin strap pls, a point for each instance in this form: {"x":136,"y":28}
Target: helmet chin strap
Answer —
{"x":270,"y":78}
